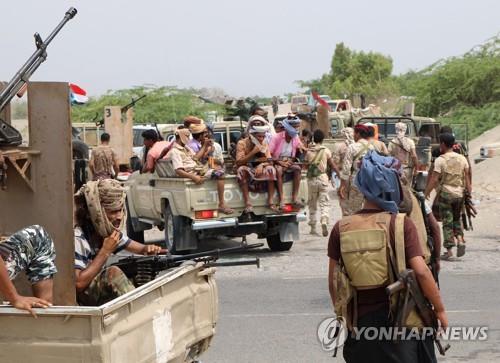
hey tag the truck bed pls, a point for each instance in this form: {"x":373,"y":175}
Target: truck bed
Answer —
{"x":157,"y":322}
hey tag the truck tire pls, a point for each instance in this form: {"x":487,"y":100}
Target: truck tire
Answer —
{"x":275,"y":244}
{"x":133,"y":235}
{"x":173,"y":226}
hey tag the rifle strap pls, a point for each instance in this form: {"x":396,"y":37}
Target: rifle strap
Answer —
{"x":399,"y":242}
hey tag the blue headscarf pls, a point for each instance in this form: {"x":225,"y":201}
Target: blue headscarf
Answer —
{"x":288,"y":126}
{"x":378,"y":180}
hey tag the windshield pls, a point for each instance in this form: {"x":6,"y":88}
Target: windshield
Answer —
{"x":430,"y":130}
{"x":299,"y":100}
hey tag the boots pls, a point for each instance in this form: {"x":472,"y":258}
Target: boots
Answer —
{"x":324,"y":229}
{"x":313,"y":230}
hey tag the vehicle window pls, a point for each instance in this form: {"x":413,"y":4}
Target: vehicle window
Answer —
{"x":138,"y":141}
{"x":299,"y":100}
{"x":234,"y":136}
{"x":219,"y":137}
{"x":430,"y":130}
{"x":334,"y":126}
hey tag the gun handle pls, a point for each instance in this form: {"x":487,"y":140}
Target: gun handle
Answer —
{"x":394,"y":287}
{"x":441,"y":349}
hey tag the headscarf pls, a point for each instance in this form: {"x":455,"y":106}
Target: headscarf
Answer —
{"x":183,"y":135}
{"x":102,"y":195}
{"x":361,"y":127}
{"x":258,"y":130}
{"x":197,"y":128}
{"x":189,"y":120}
{"x":288,"y":124}
{"x":378,"y":180}
{"x":400,"y":135}
{"x":348,"y":134}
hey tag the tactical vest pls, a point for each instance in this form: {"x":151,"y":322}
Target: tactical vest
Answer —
{"x":453,"y":173}
{"x":368,"y":261}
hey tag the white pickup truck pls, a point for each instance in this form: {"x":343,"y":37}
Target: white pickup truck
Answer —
{"x":188,"y":212}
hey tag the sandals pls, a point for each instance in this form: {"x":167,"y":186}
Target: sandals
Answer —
{"x":225,"y":210}
{"x":447,"y":257}
{"x":298,"y":205}
{"x":460,"y":249}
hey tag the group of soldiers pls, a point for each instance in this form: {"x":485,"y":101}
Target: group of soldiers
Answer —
{"x":388,"y":228}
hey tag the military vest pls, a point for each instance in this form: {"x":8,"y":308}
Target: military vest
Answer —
{"x":453,"y":173}
{"x":368,"y":261}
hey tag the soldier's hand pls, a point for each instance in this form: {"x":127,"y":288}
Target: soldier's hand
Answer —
{"x":256,"y":149}
{"x":111,"y":243}
{"x":28,"y":303}
{"x":443,"y":319}
{"x":151,"y":250}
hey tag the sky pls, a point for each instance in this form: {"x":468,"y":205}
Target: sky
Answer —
{"x":246,"y":48}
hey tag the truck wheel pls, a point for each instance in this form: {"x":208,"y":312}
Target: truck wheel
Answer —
{"x":275,"y":244}
{"x":133,"y":235}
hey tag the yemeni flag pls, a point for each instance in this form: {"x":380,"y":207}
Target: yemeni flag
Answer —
{"x":77,"y":95}
{"x":320,"y":100}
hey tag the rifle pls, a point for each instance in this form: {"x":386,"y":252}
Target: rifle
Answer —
{"x":9,"y":136}
{"x":469,"y":212}
{"x":430,"y":239}
{"x":412,"y":297}
{"x":143,"y":269}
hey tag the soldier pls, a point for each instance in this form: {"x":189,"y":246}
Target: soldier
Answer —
{"x":319,"y":158}
{"x":284,"y":148}
{"x":377,"y":144}
{"x":458,"y":147}
{"x":100,"y":215}
{"x":155,"y":149}
{"x":31,"y":250}
{"x":103,"y":161}
{"x":451,"y":177}
{"x":403,"y":149}
{"x":367,"y":270}
{"x":275,"y":104}
{"x":349,"y":195}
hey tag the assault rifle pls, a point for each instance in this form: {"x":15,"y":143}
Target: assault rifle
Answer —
{"x":430,"y":239}
{"x":142,"y":269}
{"x":469,"y":212}
{"x":9,"y":136}
{"x":412,"y":297}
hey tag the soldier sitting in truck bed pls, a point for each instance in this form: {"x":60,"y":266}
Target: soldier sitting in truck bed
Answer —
{"x":255,"y":165}
{"x":31,"y":250}
{"x":284,"y":147}
{"x":185,"y":165}
{"x":100,"y":214}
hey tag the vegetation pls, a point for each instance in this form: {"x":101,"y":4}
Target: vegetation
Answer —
{"x":162,"y":105}
{"x":463,"y":89}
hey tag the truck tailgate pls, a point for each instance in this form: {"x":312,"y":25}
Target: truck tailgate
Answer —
{"x":157,"y":322}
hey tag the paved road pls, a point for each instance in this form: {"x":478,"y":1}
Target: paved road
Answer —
{"x":271,"y":314}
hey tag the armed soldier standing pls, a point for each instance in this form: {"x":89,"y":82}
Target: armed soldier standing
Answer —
{"x":350,"y":196}
{"x":451,"y":178}
{"x":403,"y":149}
{"x":319,"y":158}
{"x":368,"y":251}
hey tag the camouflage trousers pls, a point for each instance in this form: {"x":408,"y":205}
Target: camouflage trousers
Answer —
{"x":450,"y":208}
{"x":31,"y":250}
{"x":318,"y":194}
{"x":106,"y":286}
{"x":353,"y":203}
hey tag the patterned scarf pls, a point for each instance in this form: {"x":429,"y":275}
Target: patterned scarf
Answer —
{"x":102,"y":195}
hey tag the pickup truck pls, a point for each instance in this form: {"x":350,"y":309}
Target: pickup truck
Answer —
{"x":188,"y":212}
{"x":170,"y":319}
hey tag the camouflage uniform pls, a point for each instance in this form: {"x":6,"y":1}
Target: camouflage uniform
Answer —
{"x":106,"y":286}
{"x":31,"y":250}
{"x":318,"y":185}
{"x":451,"y":167}
{"x":350,"y":167}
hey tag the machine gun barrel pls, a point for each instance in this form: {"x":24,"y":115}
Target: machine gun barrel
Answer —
{"x":38,"y":57}
{"x":8,"y":134}
{"x":214,"y":253}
